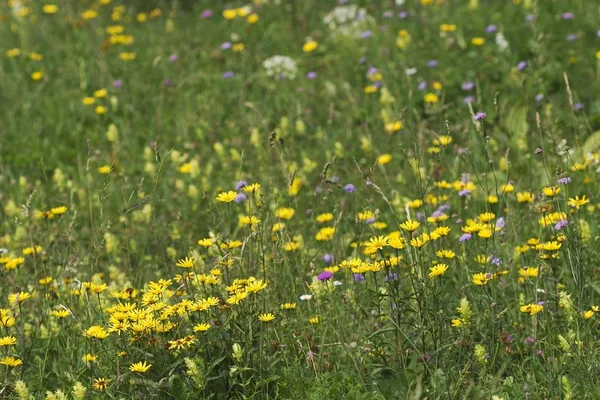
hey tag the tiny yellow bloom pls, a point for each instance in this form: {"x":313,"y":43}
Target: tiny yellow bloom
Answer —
{"x":477,"y":41}
{"x":140,"y":367}
{"x":266,"y":317}
{"x":384,"y":159}
{"x":37,"y":75}
{"x":309,"y":46}
{"x":50,"y":9}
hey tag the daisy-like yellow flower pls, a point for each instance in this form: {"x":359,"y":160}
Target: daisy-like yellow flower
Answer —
{"x":313,"y":320}
{"x":266,"y":317}
{"x":449,"y":254}
{"x":96,"y":332}
{"x":11,"y":361}
{"x":578,"y":202}
{"x":187,"y":262}
{"x":201,"y":327}
{"x":288,"y":306}
{"x":127,"y":56}
{"x":532,"y":308}
{"x":285,"y":213}
{"x":58,"y":210}
{"x":140,"y":367}
{"x":377,"y":243}
{"x":551,"y":246}
{"x":525,"y":197}
{"x":528,"y":272}
{"x":50,"y":9}
{"x":60,"y":313}
{"x":8,"y":341}
{"x":206,"y":242}
{"x":384,"y":159}
{"x":89,"y":358}
{"x":480,"y":279}
{"x":437,"y":270}
{"x":226,"y":197}
{"x":37,"y":75}
{"x":477,"y":41}
{"x":248,"y":220}
{"x":551,"y":191}
{"x":411,"y":225}
{"x":18,"y":297}
{"x":105,"y":169}
{"x":100,"y":384}
{"x":326,"y":217}
{"x":431,"y":98}
{"x":252,"y":19}
{"x":325,"y":234}
{"x":457,"y":322}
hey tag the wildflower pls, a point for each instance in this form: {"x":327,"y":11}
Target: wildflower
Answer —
{"x":479,"y":116}
{"x":13,"y":52}
{"x":377,"y":243}
{"x":437,"y":270}
{"x":227,"y":197}
{"x":528,"y":272}
{"x":457,"y":322}
{"x":60,"y":313}
{"x":100,"y":110}
{"x":521,"y":65}
{"x":431,"y":98}
{"x":10,"y":361}
{"x":100,"y":384}
{"x":326,"y":217}
{"x":89,"y":358}
{"x":187,"y":262}
{"x":411,"y":225}
{"x":313,"y":320}
{"x":531,"y":309}
{"x":288,"y":306}
{"x":325,"y":275}
{"x":325,"y":234}
{"x":384,"y":159}
{"x":140,"y":367}
{"x":477,"y":41}
{"x":480,"y":279}
{"x":127,"y":56}
{"x":18,"y":297}
{"x":578,"y":202}
{"x":248,"y":220}
{"x":266,"y":317}
{"x":50,"y":9}
{"x":349,"y":188}
{"x":96,"y":332}
{"x":285,"y":213}
{"x":105,"y":169}
{"x":37,"y":75}
{"x":8,"y":341}
{"x":551,"y":191}
{"x":201,"y":327}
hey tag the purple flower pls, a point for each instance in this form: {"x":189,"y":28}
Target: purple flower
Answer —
{"x":496,"y":261}
{"x":598,"y":33}
{"x":360,"y":16}
{"x":420,"y":216}
{"x":568,"y":16}
{"x":530,"y":340}
{"x":392,"y":276}
{"x":359,"y":277}
{"x":509,"y":339}
{"x":539,"y":97}
{"x":349,"y":188}
{"x":422,"y":85}
{"x":500,"y":223}
{"x":387,"y":14}
{"x":117,"y":83}
{"x":561,"y":224}
{"x":228,"y":74}
{"x":372,"y":71}
{"x":240,"y":198}
{"x":564,"y":180}
{"x":468,"y":85}
{"x":572,"y":37}
{"x":173,"y":58}
{"x":335,"y":179}
{"x":240,"y":184}
{"x":521,"y":65}
{"x":432,"y":63}
{"x":168,"y":83}
{"x":369,"y":221}
{"x":538,"y":150}
{"x":366,"y":34}
{"x":404,"y":14}
{"x":464,"y":193}
{"x":325,"y":275}
{"x":362,"y":60}
{"x":578,"y":106}
{"x":469,"y":99}
{"x":369,"y":183}
{"x":529,"y":17}
{"x":328,"y":258}
{"x":311,"y":75}
{"x":480,"y":116}
{"x":464,"y":237}
{"x":491,"y":28}
{"x":206,"y":14}
{"x":225,"y":45}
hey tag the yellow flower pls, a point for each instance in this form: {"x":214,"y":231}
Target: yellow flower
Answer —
{"x":100,"y":384}
{"x":431,"y":98}
{"x":10,"y":361}
{"x":105,"y":169}
{"x":377,"y":243}
{"x":588,"y":314}
{"x":8,"y":341}
{"x":551,"y":191}
{"x":100,"y":110}
{"x":266,"y":317}
{"x":140,"y":367}
{"x":88,"y":101}
{"x":551,"y":246}
{"x":13,"y":52}
{"x":370,"y":89}
{"x":525,"y":197}
{"x":206,"y":242}
{"x":201,"y":327}
{"x":285,"y":213}
{"x":18,"y":297}
{"x":477,"y":41}
{"x":89,"y":14}
{"x":528,"y":272}
{"x":314,"y":320}
{"x":532,"y":309}
{"x":288,"y":306}
{"x":437,"y":270}
{"x":457,"y":322}
{"x":324,"y":217}
{"x":384,"y":159}
{"x":226,"y":197}
{"x":309,"y":46}
{"x":60,"y":313}
{"x":101,"y":93}
{"x":187,"y":262}
{"x":411,"y":225}
{"x":578,"y":202}
{"x":447,"y":27}
{"x":393,"y":126}
{"x":229,"y":14}
{"x":89,"y":358}
{"x":248,"y":220}
{"x":325,"y":234}
{"x":127,"y":56}
{"x":480,"y":279}
{"x":238,"y":47}
{"x":96,"y":332}
{"x":37,"y":75}
{"x":50,"y":9}
{"x":252,"y":19}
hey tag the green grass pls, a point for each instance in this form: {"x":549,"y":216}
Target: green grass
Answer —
{"x":366,"y":128}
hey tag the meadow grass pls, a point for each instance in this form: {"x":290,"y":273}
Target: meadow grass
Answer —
{"x":299,"y":199}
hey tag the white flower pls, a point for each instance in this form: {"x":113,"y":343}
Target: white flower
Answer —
{"x":410,"y":71}
{"x":501,"y":42}
{"x":337,"y":283}
{"x":348,"y":21}
{"x":306,"y":297}
{"x":280,"y":66}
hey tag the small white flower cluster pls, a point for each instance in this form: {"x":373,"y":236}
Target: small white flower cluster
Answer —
{"x":280,"y":66}
{"x":501,"y":42}
{"x":348,"y":21}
